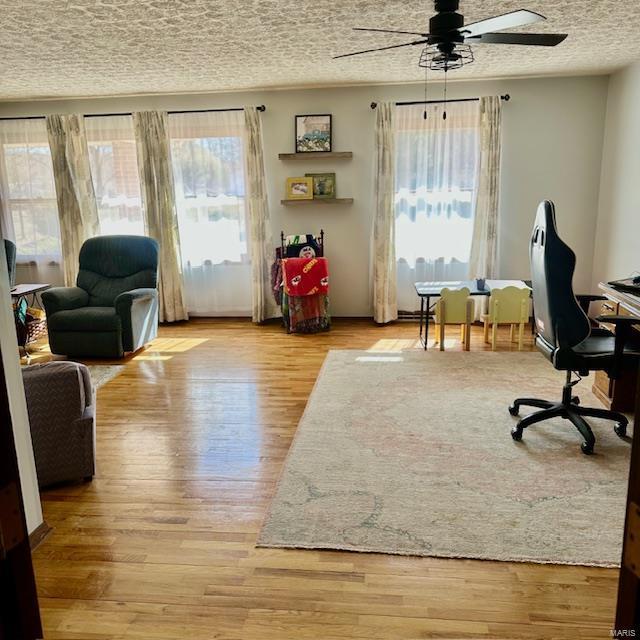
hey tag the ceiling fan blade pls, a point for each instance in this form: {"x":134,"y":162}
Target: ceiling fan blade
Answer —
{"x":499,"y":23}
{"x":408,"y":33}
{"x":393,"y":46}
{"x":536,"y":39}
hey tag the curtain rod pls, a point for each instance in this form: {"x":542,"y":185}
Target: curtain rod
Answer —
{"x":260,"y":107}
{"x":505,"y":97}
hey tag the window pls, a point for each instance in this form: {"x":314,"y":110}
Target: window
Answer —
{"x":436,"y":179}
{"x":114,"y":171}
{"x":207,"y":152}
{"x":29,"y":194}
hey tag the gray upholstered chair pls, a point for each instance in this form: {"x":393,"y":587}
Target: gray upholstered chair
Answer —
{"x":114,"y":307}
{"x":62,"y":419}
{"x":10,"y":251}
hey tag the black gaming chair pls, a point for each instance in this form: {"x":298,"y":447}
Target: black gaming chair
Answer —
{"x":564,"y":333}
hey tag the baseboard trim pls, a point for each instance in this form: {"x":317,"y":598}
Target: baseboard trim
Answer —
{"x":37,"y":536}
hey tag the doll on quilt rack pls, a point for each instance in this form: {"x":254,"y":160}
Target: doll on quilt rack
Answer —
{"x":300,"y":280}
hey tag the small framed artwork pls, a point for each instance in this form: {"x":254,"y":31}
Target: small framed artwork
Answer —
{"x":300,"y":188}
{"x":313,"y":133}
{"x":324,"y":185}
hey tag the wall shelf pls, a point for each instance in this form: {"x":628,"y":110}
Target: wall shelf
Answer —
{"x":288,"y":203}
{"x":317,"y":155}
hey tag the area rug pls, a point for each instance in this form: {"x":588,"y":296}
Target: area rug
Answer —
{"x":103,"y":373}
{"x":410,"y":453}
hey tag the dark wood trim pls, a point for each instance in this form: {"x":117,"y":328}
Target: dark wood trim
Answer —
{"x":19,"y":610}
{"x":37,"y":536}
{"x":628,"y":606}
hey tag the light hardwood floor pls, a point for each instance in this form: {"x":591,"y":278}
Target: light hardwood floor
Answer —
{"x":191,"y":439}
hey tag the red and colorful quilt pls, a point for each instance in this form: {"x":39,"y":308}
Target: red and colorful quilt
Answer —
{"x":305,"y":276}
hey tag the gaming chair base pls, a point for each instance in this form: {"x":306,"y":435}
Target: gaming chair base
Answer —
{"x":569,"y":409}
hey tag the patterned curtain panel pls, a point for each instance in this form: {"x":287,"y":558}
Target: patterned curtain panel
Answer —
{"x":77,"y":211}
{"x":485,"y":228}
{"x":260,"y":239}
{"x":156,"y":183}
{"x":384,"y":259}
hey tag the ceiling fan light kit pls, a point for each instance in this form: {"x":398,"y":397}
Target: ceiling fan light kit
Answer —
{"x":433,"y":58}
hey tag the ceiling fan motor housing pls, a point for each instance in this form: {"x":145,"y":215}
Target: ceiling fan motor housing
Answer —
{"x":446,"y":23}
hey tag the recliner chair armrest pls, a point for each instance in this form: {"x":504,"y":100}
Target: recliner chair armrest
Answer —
{"x":138,"y":314}
{"x":64,"y":299}
{"x":126,"y":299}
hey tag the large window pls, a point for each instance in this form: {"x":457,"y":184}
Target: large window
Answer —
{"x":114,"y":170}
{"x":436,"y":179}
{"x":207,"y":151}
{"x":28,"y":189}
{"x":207,"y":155}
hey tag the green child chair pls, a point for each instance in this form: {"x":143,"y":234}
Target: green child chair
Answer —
{"x":507,"y":306}
{"x":455,"y":306}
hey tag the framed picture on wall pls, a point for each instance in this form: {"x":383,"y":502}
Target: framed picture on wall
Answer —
{"x":300,"y":188}
{"x":324,"y":185}
{"x":313,"y":133}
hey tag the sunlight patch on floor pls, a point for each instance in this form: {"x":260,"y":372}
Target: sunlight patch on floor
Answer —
{"x":394,"y":345}
{"x":162,"y":349}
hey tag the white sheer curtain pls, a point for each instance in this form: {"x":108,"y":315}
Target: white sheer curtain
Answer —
{"x":207,"y":151}
{"x":114,"y":170}
{"x":29,"y":209}
{"x":435,"y":194}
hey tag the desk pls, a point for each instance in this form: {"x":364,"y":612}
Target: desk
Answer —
{"x":619,"y":394}
{"x":24,"y":290}
{"x":428,"y":290}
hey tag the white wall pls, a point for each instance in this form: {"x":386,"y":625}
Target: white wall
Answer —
{"x":617,"y":252}
{"x":552,"y":145}
{"x":17,"y":404}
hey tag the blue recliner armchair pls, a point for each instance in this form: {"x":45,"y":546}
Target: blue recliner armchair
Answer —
{"x":114,"y":307}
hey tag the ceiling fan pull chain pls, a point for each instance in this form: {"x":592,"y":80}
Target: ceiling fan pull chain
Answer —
{"x":444,"y":113}
{"x":424,"y":115}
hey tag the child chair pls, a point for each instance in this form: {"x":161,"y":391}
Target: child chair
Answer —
{"x":506,"y":306}
{"x":455,"y":307}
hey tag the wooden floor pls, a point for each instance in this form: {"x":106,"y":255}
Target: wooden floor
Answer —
{"x":191,"y":439}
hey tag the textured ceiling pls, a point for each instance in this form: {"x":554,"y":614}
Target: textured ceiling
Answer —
{"x":59,"y":48}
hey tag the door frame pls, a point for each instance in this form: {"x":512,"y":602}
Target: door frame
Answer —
{"x":628,"y":604}
{"x":19,"y":610}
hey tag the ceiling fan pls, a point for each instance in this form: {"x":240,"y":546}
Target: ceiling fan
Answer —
{"x":447,"y":44}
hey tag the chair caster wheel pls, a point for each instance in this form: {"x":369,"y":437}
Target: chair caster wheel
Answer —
{"x":621,"y":430}
{"x":575,"y":400}
{"x":587,"y":449}
{"x":516,"y":434}
{"x":514,"y":410}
